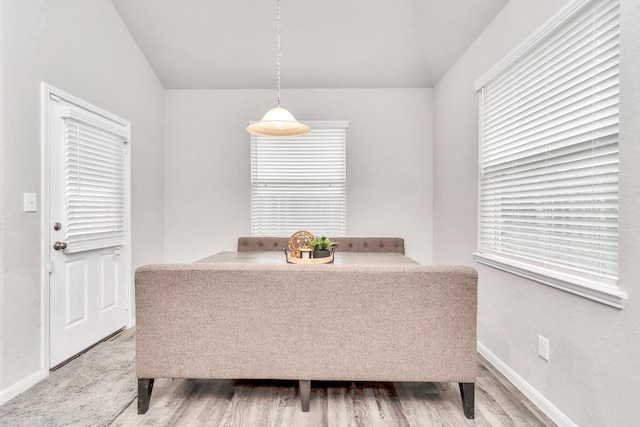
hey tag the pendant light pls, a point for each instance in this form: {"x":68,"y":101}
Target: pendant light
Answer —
{"x":278,"y":121}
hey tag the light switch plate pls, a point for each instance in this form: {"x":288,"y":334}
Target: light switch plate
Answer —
{"x":30,"y":202}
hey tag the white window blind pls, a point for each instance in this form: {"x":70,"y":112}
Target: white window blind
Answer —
{"x":299,"y":183}
{"x":94,"y":180}
{"x":549,"y":151}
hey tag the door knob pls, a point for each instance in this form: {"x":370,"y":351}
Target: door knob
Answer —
{"x":59,"y":245}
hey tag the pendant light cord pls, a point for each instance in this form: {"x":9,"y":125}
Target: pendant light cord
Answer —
{"x":278,"y":71}
{"x":278,"y":121}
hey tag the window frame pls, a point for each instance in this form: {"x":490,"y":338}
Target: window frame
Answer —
{"x":335,"y":133}
{"x":603,"y":291}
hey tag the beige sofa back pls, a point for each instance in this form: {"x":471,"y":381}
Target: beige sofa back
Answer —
{"x":346,"y":244}
{"x":349,"y":322}
{"x":406,"y":322}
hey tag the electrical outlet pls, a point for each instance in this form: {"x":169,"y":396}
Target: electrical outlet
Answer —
{"x":543,"y":347}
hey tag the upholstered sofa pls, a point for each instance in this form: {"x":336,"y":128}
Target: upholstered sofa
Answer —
{"x":351,"y":322}
{"x":345,"y":244}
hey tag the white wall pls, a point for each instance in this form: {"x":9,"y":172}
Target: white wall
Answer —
{"x":592,"y":375}
{"x":81,"y":47}
{"x":1,"y":191}
{"x":207,"y":164}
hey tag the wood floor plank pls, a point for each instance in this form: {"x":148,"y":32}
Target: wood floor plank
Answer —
{"x":389,"y":406}
{"x":360,"y":406}
{"x":336,"y":406}
{"x":425,"y":403}
{"x":216,"y":404}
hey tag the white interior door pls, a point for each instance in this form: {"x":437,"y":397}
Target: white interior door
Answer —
{"x":88,"y":225}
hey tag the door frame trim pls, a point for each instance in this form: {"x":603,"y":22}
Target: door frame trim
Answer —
{"x":46,"y":93}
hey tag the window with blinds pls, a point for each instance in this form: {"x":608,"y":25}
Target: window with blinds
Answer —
{"x":94,"y":180}
{"x":299,"y":183}
{"x":549,"y":151}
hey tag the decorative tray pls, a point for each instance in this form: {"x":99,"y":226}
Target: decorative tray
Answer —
{"x":295,"y":260}
{"x":299,"y":251}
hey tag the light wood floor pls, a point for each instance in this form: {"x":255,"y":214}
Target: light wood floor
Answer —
{"x":180,"y":402}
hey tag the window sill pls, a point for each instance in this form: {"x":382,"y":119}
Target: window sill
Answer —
{"x":604,"y":294}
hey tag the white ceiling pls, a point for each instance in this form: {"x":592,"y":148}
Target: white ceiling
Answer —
{"x":215,"y":44}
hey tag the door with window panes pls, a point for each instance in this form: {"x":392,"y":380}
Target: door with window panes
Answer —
{"x":88,"y":226}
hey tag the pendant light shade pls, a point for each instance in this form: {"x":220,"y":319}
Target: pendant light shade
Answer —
{"x":278,"y":121}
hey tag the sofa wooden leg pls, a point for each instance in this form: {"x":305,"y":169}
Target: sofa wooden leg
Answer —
{"x":467,"y":391}
{"x":145,"y":386}
{"x":305,"y":392}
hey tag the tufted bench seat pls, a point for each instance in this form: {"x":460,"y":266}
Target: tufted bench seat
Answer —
{"x":346,"y":244}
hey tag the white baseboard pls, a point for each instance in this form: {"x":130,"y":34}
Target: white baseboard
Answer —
{"x":12,"y":391}
{"x":527,"y":389}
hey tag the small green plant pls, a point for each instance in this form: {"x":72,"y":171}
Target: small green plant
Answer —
{"x":320,"y":244}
